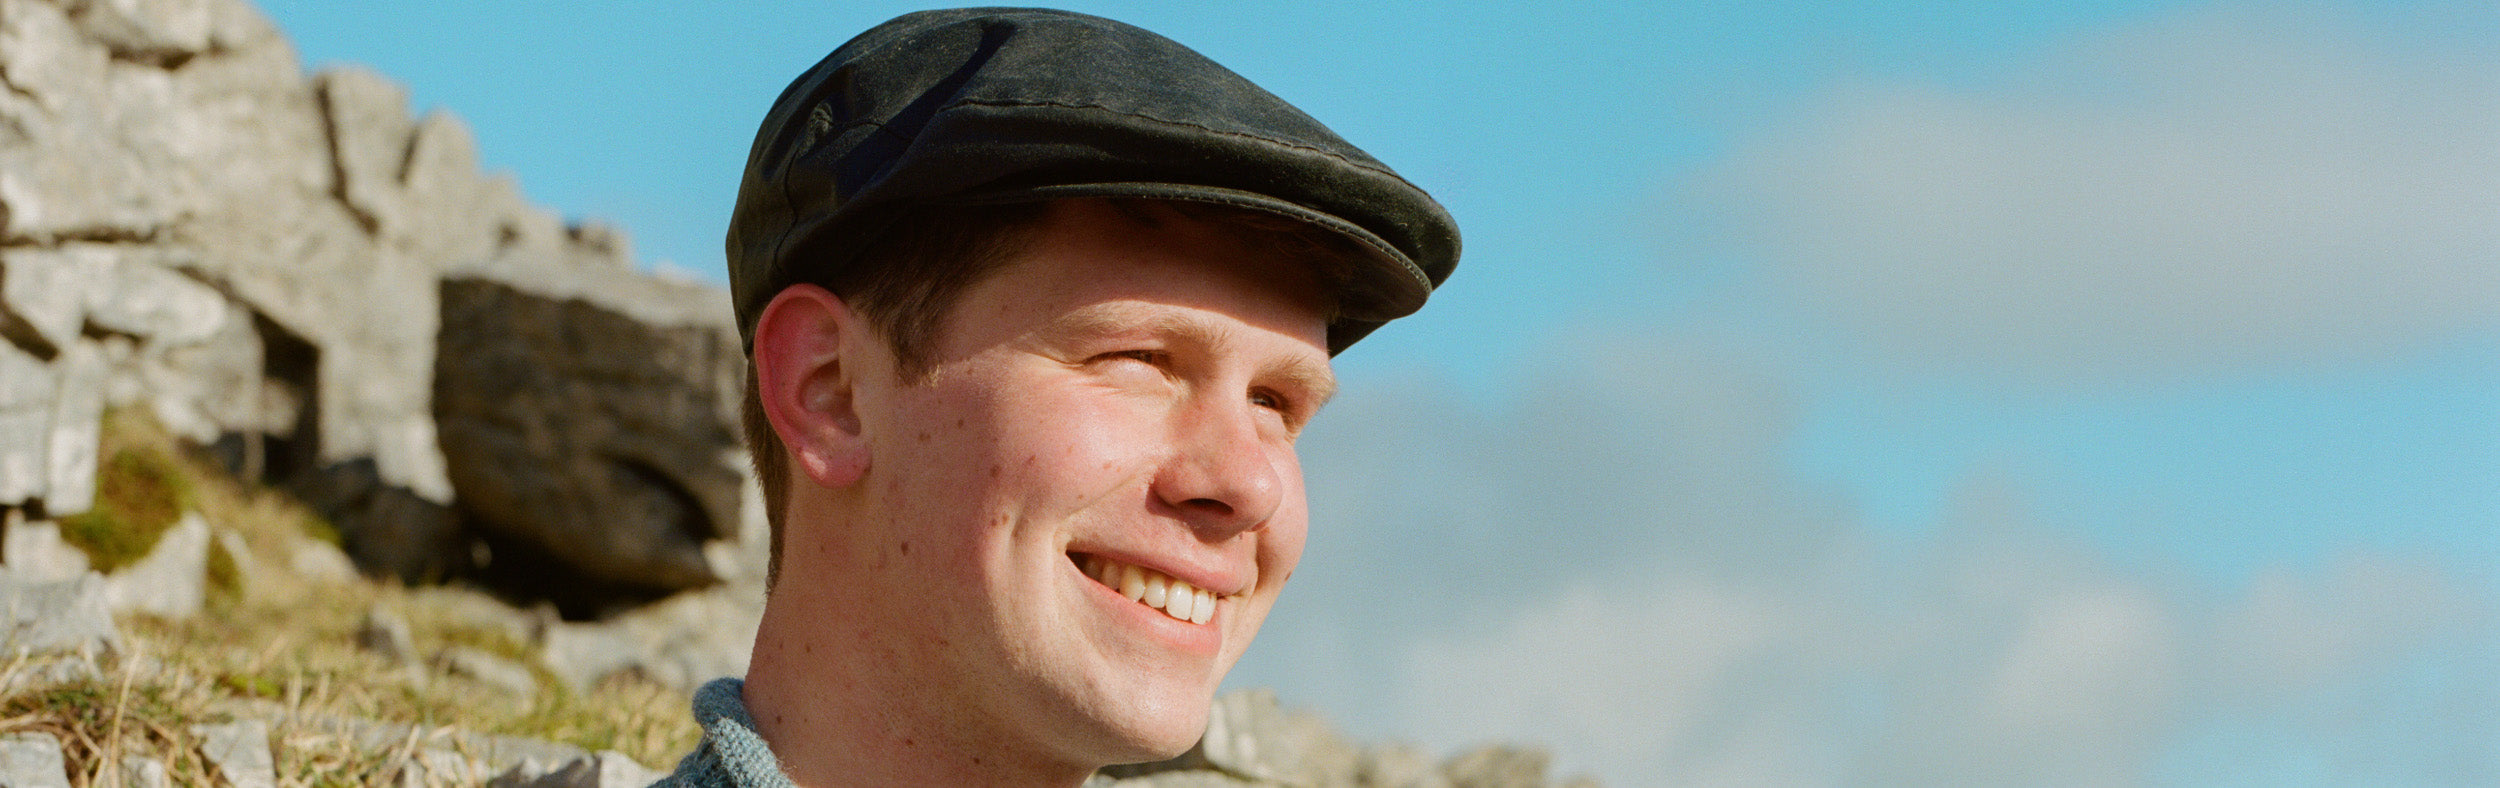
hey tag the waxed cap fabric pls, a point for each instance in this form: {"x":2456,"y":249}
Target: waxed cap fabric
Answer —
{"x":999,"y":105}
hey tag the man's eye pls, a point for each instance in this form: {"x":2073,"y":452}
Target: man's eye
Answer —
{"x":1148,"y":356}
{"x":1268,"y":399}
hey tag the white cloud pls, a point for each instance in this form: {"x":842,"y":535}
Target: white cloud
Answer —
{"x":1999,"y":656}
{"x":2246,"y":186}
{"x":1621,"y":563}
{"x":1651,"y":662}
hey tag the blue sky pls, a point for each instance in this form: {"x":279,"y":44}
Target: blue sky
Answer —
{"x":1831,"y":394}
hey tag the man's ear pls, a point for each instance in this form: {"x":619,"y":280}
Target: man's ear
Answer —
{"x":804,"y":381}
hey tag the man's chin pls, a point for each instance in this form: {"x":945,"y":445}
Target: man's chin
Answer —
{"x":1156,"y":731}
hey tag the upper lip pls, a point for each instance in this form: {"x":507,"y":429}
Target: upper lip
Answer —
{"x":1216,"y":580}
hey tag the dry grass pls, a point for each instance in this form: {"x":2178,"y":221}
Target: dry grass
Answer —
{"x":275,"y":645}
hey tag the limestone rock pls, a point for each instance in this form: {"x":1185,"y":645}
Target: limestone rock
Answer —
{"x":1245,"y":736}
{"x":207,"y":388}
{"x":367,"y":116}
{"x":1189,"y":779}
{"x":1498,"y":766}
{"x":139,"y":771}
{"x":485,"y":752}
{"x":469,"y":609}
{"x":488,"y":669}
{"x":1250,"y":735}
{"x":523,"y":774}
{"x":581,"y":654}
{"x":32,"y":760}
{"x":384,"y":631}
{"x":572,"y":428}
{"x":436,"y":766}
{"x":1252,"y":741}
{"x":319,"y":561}
{"x":1400,"y":766}
{"x":56,"y":671}
{"x":603,"y":769}
{"x":160,"y":30}
{"x":240,"y":751}
{"x":35,"y":552}
{"x":73,"y":166}
{"x":133,"y":295}
{"x":680,"y":642}
{"x":27,"y":388}
{"x":255,"y":257}
{"x":449,"y":211}
{"x":44,"y":293}
{"x":56,"y":617}
{"x":172,"y":581}
{"x":75,"y":437}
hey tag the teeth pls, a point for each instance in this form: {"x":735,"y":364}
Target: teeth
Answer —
{"x":1184,"y":605}
{"x":1173,"y":596}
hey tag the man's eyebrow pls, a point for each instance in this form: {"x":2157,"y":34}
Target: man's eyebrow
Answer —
{"x":1116,"y":318}
{"x":1316,"y":381}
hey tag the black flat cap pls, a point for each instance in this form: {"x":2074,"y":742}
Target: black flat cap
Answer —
{"x":997,"y":105}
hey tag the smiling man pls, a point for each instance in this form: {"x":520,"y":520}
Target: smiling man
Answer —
{"x":1036,"y":305}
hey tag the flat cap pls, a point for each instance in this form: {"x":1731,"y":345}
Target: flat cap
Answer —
{"x":998,"y":105}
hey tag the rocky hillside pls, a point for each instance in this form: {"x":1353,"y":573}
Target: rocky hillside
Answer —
{"x":280,"y":366}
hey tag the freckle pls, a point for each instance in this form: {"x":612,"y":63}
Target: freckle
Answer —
{"x":907,"y":742}
{"x":993,"y":471}
{"x":959,"y":424}
{"x":906,"y":547}
{"x":924,"y":437}
{"x":807,"y":648}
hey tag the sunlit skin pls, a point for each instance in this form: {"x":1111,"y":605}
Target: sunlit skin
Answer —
{"x":1119,"y":390}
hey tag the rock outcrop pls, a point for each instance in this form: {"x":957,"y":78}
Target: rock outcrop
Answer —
{"x":589,"y":434}
{"x":324,"y":292}
{"x":275,"y":266}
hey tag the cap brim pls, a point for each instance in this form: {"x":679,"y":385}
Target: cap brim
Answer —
{"x":1390,"y":287}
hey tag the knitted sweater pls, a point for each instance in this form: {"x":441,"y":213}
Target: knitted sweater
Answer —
{"x":732,"y":754}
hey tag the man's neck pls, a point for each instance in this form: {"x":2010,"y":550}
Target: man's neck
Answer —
{"x":837,"y":718}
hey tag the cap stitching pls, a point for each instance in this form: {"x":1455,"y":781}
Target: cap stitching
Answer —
{"x":1186,"y":124}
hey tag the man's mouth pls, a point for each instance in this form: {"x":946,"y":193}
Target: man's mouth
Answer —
{"x":1175,"y":597}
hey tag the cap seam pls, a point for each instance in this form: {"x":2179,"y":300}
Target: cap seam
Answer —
{"x":1186,"y":124}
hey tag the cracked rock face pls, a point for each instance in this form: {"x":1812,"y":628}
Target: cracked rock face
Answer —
{"x":188,"y":224}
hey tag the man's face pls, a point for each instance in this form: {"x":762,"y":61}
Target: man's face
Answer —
{"x":1120,"y":400}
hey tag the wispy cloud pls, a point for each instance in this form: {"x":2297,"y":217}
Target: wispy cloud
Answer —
{"x":1995,"y":652}
{"x":2241,"y":186}
{"x":1621,"y":560}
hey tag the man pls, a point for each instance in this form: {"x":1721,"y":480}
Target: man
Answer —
{"x":1037,"y":304}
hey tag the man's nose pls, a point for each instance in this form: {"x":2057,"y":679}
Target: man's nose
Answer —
{"x":1222,"y":474}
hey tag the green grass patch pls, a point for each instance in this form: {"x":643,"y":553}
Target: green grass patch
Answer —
{"x":140,"y":492}
{"x":224,"y":575}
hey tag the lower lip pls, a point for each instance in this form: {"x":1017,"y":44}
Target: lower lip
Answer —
{"x":1201,"y":639}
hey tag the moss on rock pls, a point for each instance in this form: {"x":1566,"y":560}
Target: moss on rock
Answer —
{"x":140,"y":492}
